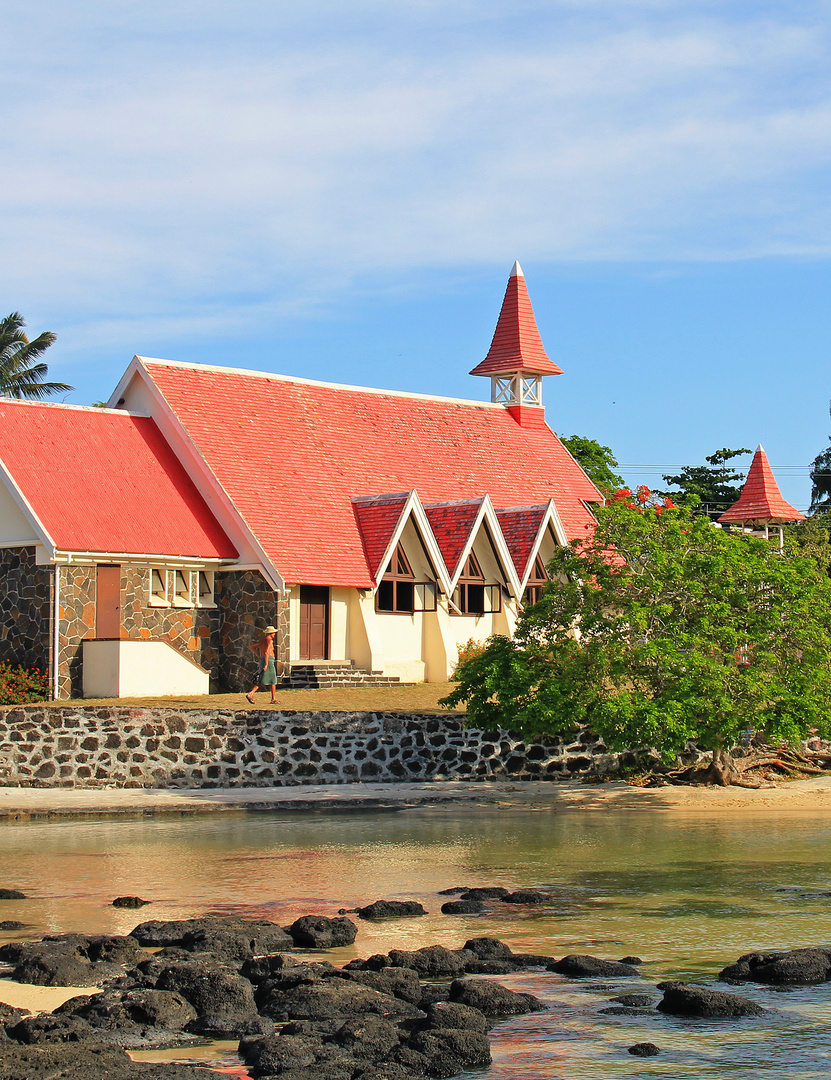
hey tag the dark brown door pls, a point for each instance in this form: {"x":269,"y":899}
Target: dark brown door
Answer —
{"x":314,"y":622}
{"x":108,"y":602}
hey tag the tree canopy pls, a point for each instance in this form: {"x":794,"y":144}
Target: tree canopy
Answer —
{"x":658,"y":629}
{"x":22,"y":373}
{"x":821,"y":480}
{"x":596,"y":460}
{"x":715,"y":486}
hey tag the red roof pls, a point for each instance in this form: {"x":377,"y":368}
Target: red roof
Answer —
{"x":377,"y":519}
{"x":761,"y":499}
{"x":451,"y":524}
{"x":520,"y":525}
{"x":106,"y":481}
{"x":292,"y":455}
{"x":516,"y":345}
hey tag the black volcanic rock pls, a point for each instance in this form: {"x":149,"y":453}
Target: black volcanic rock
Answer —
{"x":491,"y":998}
{"x":462,"y":907}
{"x":580,"y":966}
{"x":682,"y":999}
{"x":797,"y":967}
{"x":391,"y":909}
{"x":321,"y":932}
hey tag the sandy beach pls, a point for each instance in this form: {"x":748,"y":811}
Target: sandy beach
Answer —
{"x":21,"y":804}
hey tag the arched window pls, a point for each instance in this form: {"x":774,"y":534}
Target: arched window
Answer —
{"x":396,"y":591}
{"x":536,"y":584}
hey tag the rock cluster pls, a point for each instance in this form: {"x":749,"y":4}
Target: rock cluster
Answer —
{"x":235,"y":978}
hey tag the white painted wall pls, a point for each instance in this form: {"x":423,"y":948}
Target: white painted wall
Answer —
{"x":14,"y":525}
{"x":140,"y":669}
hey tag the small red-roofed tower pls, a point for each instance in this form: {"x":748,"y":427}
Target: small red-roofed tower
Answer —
{"x":760,"y":504}
{"x":517,"y":360}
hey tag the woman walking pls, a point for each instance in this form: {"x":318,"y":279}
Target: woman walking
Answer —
{"x":267,"y":673}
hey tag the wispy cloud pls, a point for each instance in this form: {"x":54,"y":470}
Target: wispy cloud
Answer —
{"x":186,"y":162}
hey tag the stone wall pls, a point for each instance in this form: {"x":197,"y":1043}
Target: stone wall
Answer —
{"x":25,"y":608}
{"x":246,"y":602}
{"x":120,"y":747}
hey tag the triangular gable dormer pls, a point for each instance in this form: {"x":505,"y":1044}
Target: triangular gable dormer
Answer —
{"x":382,"y":520}
{"x":449,"y":521}
{"x":761,"y":501}
{"x":517,"y":360}
{"x":525,"y":529}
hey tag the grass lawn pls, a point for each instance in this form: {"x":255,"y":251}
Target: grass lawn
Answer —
{"x":413,"y":697}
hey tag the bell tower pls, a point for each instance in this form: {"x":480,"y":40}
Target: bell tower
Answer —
{"x":517,"y":360}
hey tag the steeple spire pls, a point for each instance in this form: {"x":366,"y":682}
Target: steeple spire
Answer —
{"x":517,"y":359}
{"x":761,"y":503}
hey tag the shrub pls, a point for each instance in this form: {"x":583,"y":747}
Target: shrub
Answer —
{"x":20,"y":685}
{"x":469,"y":651}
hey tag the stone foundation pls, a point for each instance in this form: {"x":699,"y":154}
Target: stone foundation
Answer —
{"x":120,"y":747}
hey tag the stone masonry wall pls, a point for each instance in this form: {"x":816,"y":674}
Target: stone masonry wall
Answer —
{"x":121,"y":747}
{"x":246,"y":602}
{"x":25,"y":608}
{"x":194,"y":631}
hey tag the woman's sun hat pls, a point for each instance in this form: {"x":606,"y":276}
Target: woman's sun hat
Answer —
{"x":268,"y":630}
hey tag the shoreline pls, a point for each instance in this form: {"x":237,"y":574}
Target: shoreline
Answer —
{"x":21,"y":804}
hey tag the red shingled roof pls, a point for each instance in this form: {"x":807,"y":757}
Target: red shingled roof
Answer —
{"x":761,"y":499}
{"x":292,"y":456}
{"x":106,"y":481}
{"x":451,"y":524}
{"x":520,"y":525}
{"x":516,"y":344}
{"x":377,"y":519}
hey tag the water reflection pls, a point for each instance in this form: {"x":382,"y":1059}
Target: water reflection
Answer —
{"x":688,"y":894}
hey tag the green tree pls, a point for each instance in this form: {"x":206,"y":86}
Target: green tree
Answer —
{"x":659,"y":629}
{"x":813,"y":538}
{"x":596,"y":460}
{"x":821,"y":480}
{"x":22,"y":373}
{"x":715,"y":485}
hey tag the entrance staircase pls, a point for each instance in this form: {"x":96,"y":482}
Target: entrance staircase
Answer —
{"x":321,"y":675}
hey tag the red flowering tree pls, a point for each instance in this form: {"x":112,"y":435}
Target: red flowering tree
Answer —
{"x":658,"y":629}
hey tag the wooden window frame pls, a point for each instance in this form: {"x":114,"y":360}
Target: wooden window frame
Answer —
{"x":398,"y":588}
{"x":535,"y":584}
{"x":466,"y":596}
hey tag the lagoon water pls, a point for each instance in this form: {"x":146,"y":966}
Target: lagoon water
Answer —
{"x":687,"y":893}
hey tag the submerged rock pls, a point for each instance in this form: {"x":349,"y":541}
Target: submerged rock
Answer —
{"x":129,"y":902}
{"x":462,"y":907}
{"x":525,"y":896}
{"x":580,"y":966}
{"x":12,"y":894}
{"x":797,"y":967}
{"x":645,"y":1049}
{"x":682,"y":999}
{"x":391,"y":909}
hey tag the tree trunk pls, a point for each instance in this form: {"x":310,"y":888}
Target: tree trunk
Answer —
{"x":722,"y":772}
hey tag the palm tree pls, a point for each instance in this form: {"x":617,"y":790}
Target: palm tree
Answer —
{"x":21,"y":375}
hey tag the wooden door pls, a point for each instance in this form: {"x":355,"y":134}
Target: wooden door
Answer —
{"x":108,"y":602}
{"x":314,"y":622}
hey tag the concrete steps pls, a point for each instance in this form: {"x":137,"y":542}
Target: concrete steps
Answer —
{"x":323,"y":676}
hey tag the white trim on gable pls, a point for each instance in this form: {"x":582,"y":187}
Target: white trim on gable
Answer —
{"x":413,"y":508}
{"x":30,"y":519}
{"x":487,"y":515}
{"x":550,"y":520}
{"x":153,"y":403}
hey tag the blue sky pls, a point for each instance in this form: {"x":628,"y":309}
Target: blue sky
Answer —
{"x":339,"y":189}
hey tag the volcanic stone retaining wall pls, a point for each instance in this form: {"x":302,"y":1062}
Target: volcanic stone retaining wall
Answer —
{"x":120,"y":747}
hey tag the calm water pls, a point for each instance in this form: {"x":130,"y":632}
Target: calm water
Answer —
{"x":687,"y":894}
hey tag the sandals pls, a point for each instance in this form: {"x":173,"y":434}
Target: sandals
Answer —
{"x":249,"y":699}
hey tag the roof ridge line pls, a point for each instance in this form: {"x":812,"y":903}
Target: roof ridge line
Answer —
{"x":275,"y":377}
